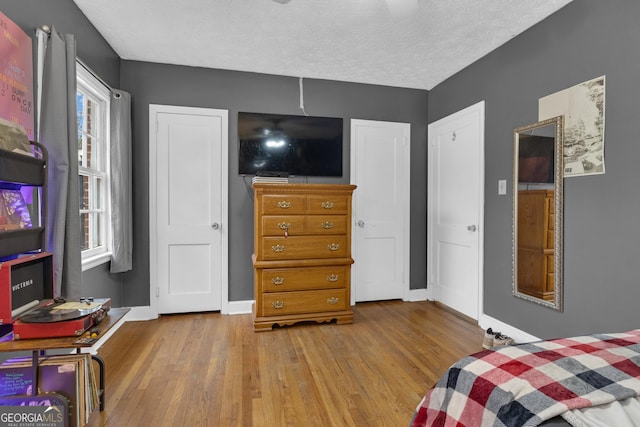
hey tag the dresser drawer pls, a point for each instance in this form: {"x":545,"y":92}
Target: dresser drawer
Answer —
{"x":283,"y":204}
{"x":293,"y":225}
{"x":303,"y":247}
{"x":300,"y":225}
{"x":328,"y":204}
{"x":282,"y":303}
{"x":325,"y":224}
{"x":297,"y":279}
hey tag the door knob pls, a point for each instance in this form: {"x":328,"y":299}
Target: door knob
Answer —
{"x":215,"y":226}
{"x":471,"y":227}
{"x":361,"y":224}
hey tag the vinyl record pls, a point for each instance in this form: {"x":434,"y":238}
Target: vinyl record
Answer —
{"x":52,"y":311}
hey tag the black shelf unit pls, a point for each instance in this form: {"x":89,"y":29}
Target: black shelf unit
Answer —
{"x":18,"y":170}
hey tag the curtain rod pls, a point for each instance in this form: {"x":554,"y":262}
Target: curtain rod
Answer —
{"x":90,"y":71}
{"x":47,"y":29}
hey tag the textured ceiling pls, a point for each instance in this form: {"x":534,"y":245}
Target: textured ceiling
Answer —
{"x":402,"y":43}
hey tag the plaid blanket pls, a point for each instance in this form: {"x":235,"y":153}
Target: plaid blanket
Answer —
{"x":526,"y":384}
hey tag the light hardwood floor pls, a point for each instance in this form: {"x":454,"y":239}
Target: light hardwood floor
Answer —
{"x":212,"y":370}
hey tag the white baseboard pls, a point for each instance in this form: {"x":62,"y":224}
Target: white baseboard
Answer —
{"x":145,"y":313}
{"x":140,"y":313}
{"x":518,"y":335}
{"x":240,"y":307}
{"x":417,"y":295}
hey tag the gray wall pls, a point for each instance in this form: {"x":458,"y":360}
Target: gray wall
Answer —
{"x":94,"y":51}
{"x":234,"y":91}
{"x":65,"y":17}
{"x":586,"y":39}
{"x":238,"y":91}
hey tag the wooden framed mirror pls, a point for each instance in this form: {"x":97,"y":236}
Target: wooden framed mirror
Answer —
{"x":537,"y":212}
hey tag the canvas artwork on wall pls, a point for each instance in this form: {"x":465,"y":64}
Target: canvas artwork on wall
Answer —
{"x":583,"y":108}
{"x":16,"y":75}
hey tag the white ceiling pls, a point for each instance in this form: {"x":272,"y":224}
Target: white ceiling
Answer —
{"x":365,"y":41}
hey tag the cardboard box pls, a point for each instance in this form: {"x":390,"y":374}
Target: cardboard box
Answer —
{"x":24,"y":283}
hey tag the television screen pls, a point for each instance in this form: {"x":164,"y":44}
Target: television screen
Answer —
{"x":289,"y":145}
{"x":536,"y":159}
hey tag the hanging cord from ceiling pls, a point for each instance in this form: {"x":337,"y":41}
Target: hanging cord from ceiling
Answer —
{"x":302,"y":97}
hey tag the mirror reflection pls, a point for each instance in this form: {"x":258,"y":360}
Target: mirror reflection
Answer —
{"x":537,"y":213}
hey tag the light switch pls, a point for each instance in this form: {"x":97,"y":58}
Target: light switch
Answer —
{"x":502,"y":187}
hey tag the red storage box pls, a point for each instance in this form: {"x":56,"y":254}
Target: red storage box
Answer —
{"x":24,"y":283}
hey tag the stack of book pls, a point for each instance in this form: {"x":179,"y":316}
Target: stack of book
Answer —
{"x":271,"y":179}
{"x":71,"y":376}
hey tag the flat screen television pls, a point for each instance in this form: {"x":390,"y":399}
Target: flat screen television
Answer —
{"x":536,"y":159}
{"x":288,"y":145}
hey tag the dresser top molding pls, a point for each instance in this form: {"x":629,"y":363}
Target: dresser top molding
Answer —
{"x":307,"y":188}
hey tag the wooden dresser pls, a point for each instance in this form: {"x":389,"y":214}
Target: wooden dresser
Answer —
{"x":536,"y":243}
{"x":302,"y":254}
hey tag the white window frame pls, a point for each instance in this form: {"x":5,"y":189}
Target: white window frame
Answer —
{"x":92,"y":86}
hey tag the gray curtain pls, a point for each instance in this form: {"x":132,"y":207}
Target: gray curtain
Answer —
{"x":121,"y":202}
{"x":58,"y":133}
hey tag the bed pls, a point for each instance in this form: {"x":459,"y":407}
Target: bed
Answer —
{"x":591,"y":380}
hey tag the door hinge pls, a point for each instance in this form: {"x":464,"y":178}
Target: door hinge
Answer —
{"x":157,"y":291}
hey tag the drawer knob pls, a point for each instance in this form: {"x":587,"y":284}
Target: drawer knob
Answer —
{"x":327,"y":205}
{"x":277,"y":305}
{"x":277,"y":280}
{"x":333,"y":278}
{"x":277,"y":248}
{"x":284,"y":204}
{"x":333,"y":247}
{"x":284,"y":226}
{"x":333,"y":300}
{"x":327,"y":225}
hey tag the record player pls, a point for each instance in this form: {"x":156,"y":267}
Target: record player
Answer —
{"x":27,"y":301}
{"x":61,"y":318}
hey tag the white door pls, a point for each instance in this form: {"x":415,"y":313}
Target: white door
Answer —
{"x":380,"y":160}
{"x":455,"y":209}
{"x":188,"y":176}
